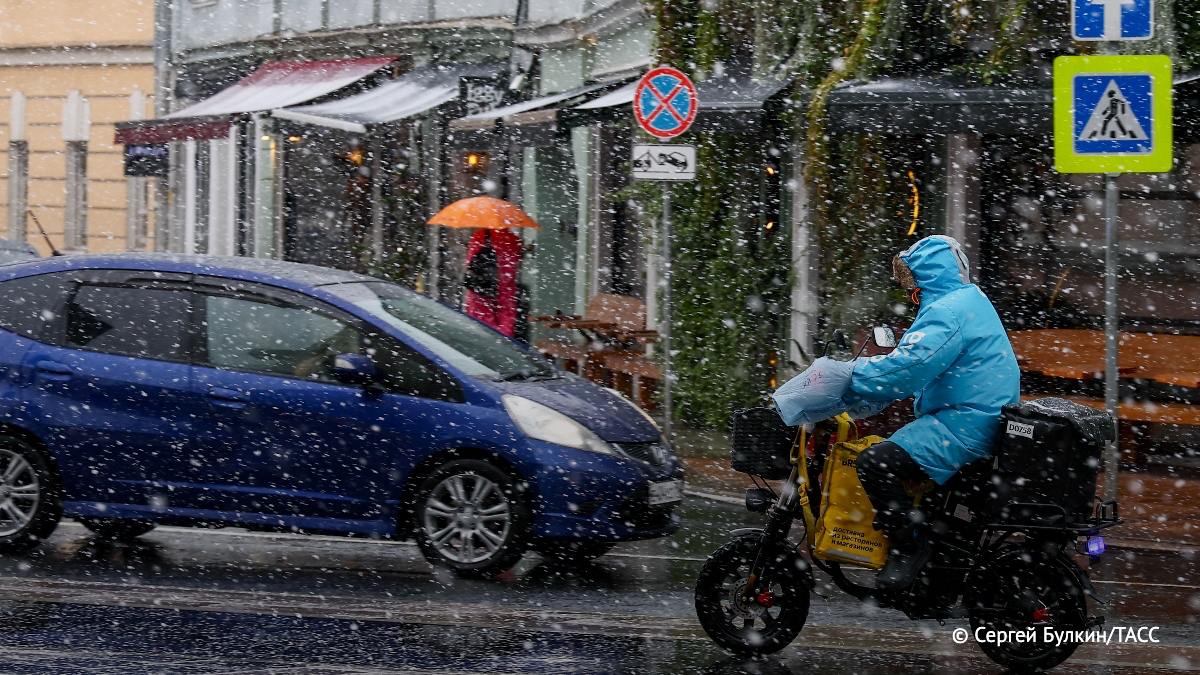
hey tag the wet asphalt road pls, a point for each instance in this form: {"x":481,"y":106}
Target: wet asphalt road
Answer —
{"x":230,"y":601}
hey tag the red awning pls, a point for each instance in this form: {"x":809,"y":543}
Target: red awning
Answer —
{"x":274,"y":85}
{"x":151,"y":132}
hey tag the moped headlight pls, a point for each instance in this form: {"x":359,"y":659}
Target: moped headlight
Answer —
{"x":547,"y":424}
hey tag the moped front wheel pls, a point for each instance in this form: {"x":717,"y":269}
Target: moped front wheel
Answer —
{"x":763,"y":623}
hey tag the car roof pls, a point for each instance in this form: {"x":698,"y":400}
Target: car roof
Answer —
{"x":254,"y":269}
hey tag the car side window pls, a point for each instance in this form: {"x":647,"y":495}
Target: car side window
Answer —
{"x":148,"y":323}
{"x":404,"y":371}
{"x":28,"y":303}
{"x":250,"y":333}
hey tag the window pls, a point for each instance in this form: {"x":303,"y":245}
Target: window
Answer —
{"x":462,"y":342}
{"x":26,"y":304}
{"x":144,"y":322}
{"x":403,"y":371}
{"x":260,"y":335}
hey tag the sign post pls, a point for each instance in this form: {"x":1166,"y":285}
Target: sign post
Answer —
{"x":665,"y":105}
{"x":1112,"y":115}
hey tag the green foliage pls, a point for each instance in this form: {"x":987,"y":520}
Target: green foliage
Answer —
{"x":1187,"y":32}
{"x":729,"y":284}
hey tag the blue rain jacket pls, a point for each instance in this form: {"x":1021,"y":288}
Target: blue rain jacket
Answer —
{"x":955,"y":359}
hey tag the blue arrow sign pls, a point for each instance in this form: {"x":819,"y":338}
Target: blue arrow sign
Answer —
{"x":1112,"y":19}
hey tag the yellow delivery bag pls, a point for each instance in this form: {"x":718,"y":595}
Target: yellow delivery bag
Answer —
{"x":844,"y":532}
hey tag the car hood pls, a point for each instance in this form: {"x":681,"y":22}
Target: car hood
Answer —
{"x":609,"y":417}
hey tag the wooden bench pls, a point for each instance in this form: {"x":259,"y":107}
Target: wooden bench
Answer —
{"x":614,"y":326}
{"x":635,"y":375}
{"x":1075,"y":354}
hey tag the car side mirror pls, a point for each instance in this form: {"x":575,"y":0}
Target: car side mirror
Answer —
{"x":884,"y":337}
{"x":354,"y":369}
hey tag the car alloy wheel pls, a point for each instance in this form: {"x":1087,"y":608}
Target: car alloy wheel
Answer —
{"x":467,"y":518}
{"x":472,"y":516}
{"x":20,"y":492}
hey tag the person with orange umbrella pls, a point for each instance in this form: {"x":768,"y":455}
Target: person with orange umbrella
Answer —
{"x":493,"y":259}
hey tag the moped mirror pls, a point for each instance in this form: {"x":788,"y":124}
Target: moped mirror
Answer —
{"x":840,"y":340}
{"x":884,"y":337}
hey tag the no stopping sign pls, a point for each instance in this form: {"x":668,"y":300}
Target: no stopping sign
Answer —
{"x":665,"y":102}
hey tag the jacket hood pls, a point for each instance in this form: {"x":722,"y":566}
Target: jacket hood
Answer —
{"x":938,"y":265}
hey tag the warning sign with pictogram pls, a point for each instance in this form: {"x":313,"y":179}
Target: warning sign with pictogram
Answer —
{"x":1112,"y":114}
{"x":1113,"y":125}
{"x":665,"y":102}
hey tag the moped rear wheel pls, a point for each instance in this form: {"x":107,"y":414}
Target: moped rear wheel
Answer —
{"x":764,"y":624}
{"x":1026,"y":595}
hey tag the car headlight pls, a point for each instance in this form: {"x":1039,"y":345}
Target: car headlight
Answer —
{"x":547,"y":424}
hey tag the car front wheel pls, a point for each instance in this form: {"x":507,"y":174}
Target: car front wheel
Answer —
{"x":472,"y":517}
{"x":29,"y":503}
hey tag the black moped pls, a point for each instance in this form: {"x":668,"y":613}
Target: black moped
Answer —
{"x":1004,"y":537}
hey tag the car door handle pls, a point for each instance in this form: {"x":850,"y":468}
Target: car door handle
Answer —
{"x":227,"y":398}
{"x":56,"y":372}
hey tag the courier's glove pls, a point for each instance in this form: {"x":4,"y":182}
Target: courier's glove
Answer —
{"x":815,"y":394}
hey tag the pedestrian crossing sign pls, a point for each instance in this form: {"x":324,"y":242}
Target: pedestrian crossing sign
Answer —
{"x":1112,"y":114}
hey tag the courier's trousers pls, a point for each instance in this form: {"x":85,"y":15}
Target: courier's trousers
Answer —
{"x":882,"y":469}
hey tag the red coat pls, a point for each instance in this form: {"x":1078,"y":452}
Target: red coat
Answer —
{"x":500,"y":313}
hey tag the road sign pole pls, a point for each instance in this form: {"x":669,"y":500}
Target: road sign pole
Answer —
{"x":1112,"y":454}
{"x":665,"y":105}
{"x":1112,"y":115}
{"x":666,"y":311}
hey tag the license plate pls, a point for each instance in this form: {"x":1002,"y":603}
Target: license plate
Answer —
{"x":666,"y":492}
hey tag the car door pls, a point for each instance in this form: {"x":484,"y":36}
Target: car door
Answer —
{"x":283,"y":436}
{"x":110,"y":387}
{"x":26,"y":305}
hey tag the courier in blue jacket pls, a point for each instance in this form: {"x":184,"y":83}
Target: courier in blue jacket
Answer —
{"x":957,"y":361}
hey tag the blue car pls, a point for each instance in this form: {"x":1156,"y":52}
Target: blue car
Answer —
{"x":145,"y":389}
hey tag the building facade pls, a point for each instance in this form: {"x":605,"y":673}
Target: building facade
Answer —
{"x":68,"y":72}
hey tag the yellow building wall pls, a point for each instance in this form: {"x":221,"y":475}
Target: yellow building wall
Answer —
{"x":36,"y":36}
{"x":55,"y":23}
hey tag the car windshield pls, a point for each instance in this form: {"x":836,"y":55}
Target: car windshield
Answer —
{"x":459,"y":340}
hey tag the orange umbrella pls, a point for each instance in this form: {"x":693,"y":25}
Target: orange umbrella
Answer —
{"x":482,"y":212}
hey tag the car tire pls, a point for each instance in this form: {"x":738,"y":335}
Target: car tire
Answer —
{"x":30,"y":498}
{"x":472,"y":518}
{"x":573,"y":552}
{"x":117,"y":529}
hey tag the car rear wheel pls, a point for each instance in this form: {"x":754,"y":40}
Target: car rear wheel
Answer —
{"x":29,"y":498}
{"x":472,"y":518}
{"x":117,"y":529}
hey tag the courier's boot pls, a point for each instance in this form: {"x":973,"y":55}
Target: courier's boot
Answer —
{"x":909,"y":551}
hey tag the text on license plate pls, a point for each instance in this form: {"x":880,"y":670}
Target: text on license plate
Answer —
{"x":666,"y":492}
